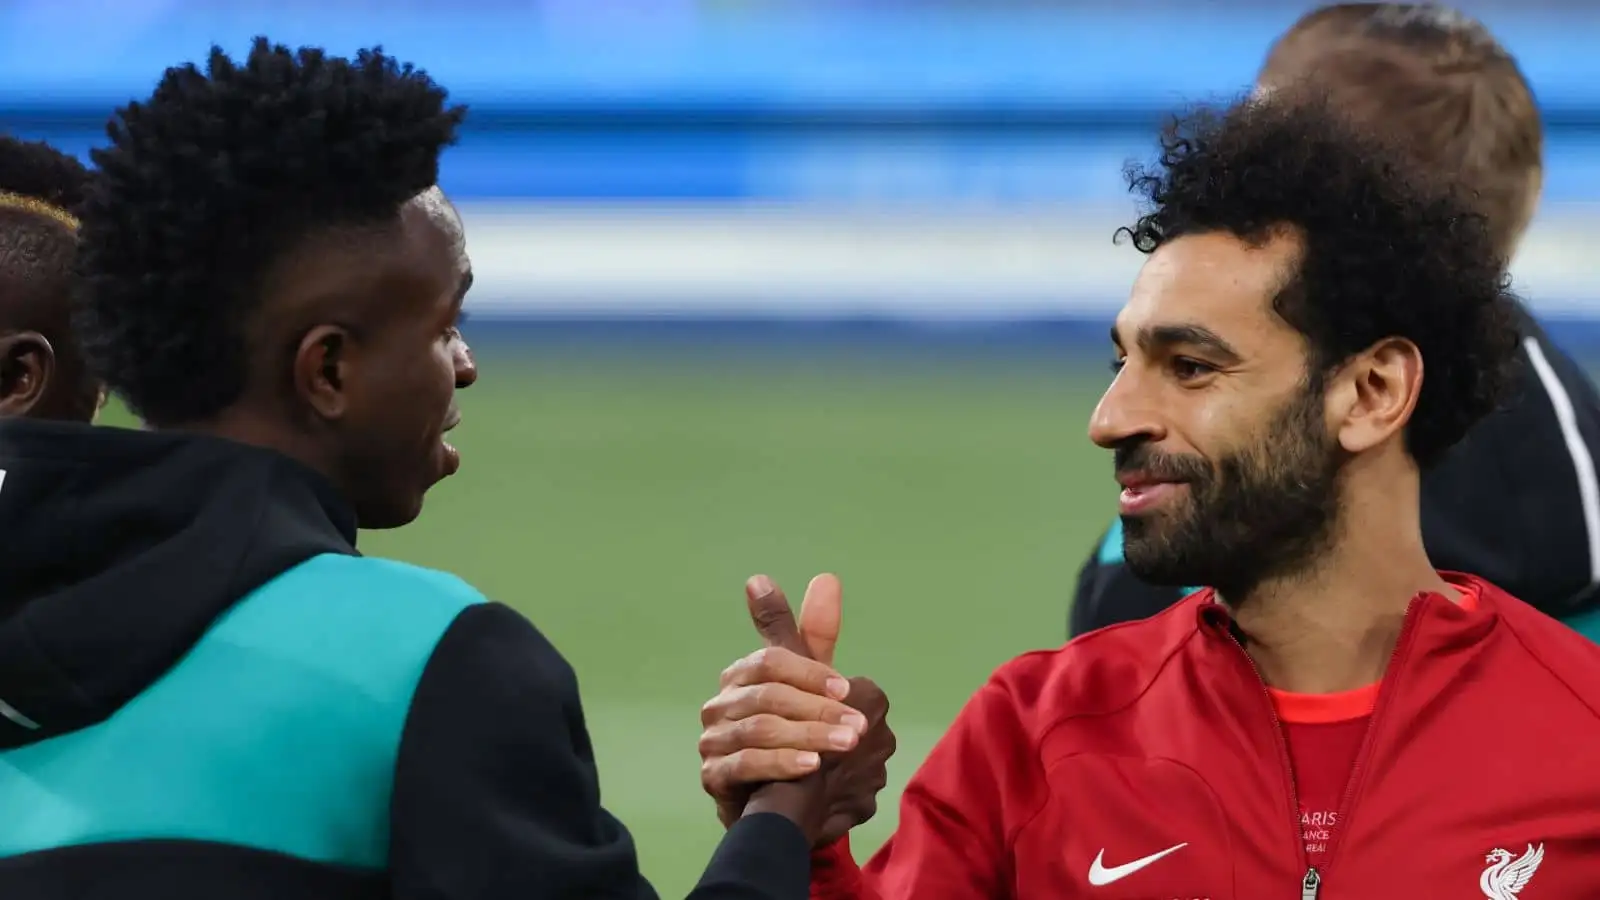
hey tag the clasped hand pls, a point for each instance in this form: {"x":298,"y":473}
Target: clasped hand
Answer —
{"x":783,"y":715}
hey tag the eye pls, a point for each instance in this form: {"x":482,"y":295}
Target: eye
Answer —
{"x":1117,"y":364}
{"x":1187,"y":369}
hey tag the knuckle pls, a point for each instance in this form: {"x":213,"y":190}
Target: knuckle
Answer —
{"x":733,"y":673}
{"x":760,"y":659}
{"x":711,"y":711}
{"x":762,"y":730}
{"x":737,"y":767}
{"x":713,"y":776}
{"x":748,"y":731}
{"x":772,"y":618}
{"x":760,"y":696}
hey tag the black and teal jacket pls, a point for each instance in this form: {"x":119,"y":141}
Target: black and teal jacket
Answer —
{"x":206,"y":692}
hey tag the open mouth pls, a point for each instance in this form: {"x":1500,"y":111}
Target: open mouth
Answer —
{"x":452,"y":456}
{"x":1142,"y":493}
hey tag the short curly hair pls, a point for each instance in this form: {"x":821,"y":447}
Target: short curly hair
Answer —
{"x":1388,"y":249}
{"x":213,"y":181}
{"x":33,"y":245}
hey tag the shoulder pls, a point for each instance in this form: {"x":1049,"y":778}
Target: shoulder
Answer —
{"x":358,"y":619}
{"x":1102,"y":672}
{"x":335,"y":587}
{"x":369,"y":578}
{"x":1550,"y":645}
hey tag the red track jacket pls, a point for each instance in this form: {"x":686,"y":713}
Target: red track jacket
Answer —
{"x":1479,"y":776}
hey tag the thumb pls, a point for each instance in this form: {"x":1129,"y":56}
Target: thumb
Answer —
{"x":769,"y":610}
{"x":821,"y":613}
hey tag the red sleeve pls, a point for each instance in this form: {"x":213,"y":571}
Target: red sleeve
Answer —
{"x":958,"y":815}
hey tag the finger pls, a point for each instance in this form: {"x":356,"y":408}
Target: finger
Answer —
{"x":779,"y":666}
{"x":782,"y":700}
{"x":821,"y":614}
{"x":767,"y":732}
{"x":866,"y":696}
{"x":725,"y":775}
{"x":774,"y":620}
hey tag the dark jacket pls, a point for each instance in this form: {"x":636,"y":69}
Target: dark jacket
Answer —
{"x":206,"y":692}
{"x":1515,"y":502}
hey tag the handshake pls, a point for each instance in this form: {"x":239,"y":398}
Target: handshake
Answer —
{"x":789,"y":735}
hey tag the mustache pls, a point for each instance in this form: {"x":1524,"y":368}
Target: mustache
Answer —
{"x":1145,"y":459}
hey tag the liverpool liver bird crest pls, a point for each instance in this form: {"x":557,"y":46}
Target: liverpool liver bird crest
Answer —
{"x":1507,"y":875}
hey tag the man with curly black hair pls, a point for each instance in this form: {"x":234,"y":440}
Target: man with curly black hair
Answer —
{"x":205,"y":691}
{"x":1518,"y":500}
{"x":1316,"y":321}
{"x":42,"y":374}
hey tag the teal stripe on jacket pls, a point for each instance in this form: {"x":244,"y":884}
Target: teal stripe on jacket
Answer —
{"x":1586,"y":624}
{"x":278,"y":731}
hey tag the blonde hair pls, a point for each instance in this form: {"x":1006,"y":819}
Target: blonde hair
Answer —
{"x":1435,"y":79}
{"x":36,"y":206}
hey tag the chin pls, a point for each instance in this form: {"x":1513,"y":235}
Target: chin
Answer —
{"x":1154,"y":561}
{"x":393,"y":513}
{"x":1162,"y":574}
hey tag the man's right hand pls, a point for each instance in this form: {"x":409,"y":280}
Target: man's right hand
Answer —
{"x":785,"y":715}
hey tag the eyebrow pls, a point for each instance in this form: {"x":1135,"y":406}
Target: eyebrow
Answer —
{"x":1167,"y":336}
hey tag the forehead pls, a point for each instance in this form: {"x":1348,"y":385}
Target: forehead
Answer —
{"x":430,"y":217}
{"x":1217,"y":281}
{"x":432,"y":239}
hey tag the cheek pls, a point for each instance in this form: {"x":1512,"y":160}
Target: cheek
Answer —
{"x":1215,"y":424}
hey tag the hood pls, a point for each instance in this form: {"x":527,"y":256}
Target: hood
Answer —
{"x":118,"y":549}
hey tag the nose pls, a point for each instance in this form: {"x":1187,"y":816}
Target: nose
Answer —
{"x":466,"y":366}
{"x":1124,"y":413}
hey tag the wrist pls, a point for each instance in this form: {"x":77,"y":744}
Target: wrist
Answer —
{"x":791,"y":800}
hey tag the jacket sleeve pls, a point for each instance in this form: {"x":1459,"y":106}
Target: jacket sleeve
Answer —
{"x":1109,"y":594}
{"x":953,"y":841}
{"x":1517,"y":501}
{"x":496,"y":793}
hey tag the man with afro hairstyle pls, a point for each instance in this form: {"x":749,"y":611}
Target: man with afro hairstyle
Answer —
{"x":1517,"y":501}
{"x":42,"y":374}
{"x":205,"y":690}
{"x":1316,"y":321}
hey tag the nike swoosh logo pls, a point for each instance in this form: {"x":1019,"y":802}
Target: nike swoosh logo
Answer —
{"x":1100,"y":876}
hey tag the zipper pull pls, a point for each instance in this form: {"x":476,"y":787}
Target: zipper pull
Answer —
{"x":1311,"y":885}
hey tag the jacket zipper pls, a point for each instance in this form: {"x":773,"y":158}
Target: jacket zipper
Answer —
{"x":1391,"y":674}
{"x":1311,"y":883}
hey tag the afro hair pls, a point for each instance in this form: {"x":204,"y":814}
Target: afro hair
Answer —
{"x":1389,"y":249}
{"x":212,"y":181}
{"x":39,"y":171}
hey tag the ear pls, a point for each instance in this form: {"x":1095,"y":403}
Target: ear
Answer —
{"x":26,"y":363}
{"x":323,"y":365}
{"x":1375,"y":393}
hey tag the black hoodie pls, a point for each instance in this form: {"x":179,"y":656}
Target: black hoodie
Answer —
{"x":206,"y":692}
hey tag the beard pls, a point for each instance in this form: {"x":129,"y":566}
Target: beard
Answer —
{"x":1264,"y":511}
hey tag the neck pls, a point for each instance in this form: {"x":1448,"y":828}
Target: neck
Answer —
{"x":247,"y":426}
{"x":1333,"y":625}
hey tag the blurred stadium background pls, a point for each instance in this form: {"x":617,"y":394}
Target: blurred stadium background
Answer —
{"x":788,"y":287}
